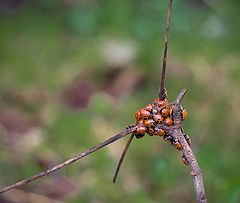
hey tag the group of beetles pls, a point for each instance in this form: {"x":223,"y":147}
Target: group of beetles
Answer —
{"x":155,"y":119}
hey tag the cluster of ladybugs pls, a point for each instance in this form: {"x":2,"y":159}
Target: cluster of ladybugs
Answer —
{"x":156,"y":119}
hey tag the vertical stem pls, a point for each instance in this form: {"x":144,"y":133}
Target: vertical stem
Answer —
{"x":161,"y":88}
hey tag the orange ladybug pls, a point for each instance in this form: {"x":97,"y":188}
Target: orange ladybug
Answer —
{"x":138,"y":115}
{"x":151,"y":131}
{"x":171,"y":110}
{"x":177,"y":145}
{"x":160,"y":132}
{"x":162,"y":103}
{"x":145,"y":113}
{"x":158,"y":118}
{"x":184,"y":114}
{"x":165,"y":112}
{"x":157,"y":100}
{"x":169,"y":121}
{"x":140,"y":129}
{"x":149,"y":123}
{"x":149,"y":107}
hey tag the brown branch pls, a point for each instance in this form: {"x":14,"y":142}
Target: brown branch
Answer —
{"x":161,"y":88}
{"x":187,"y":152}
{"x":122,"y":157}
{"x":69,"y":161}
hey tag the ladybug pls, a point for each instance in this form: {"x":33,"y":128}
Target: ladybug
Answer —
{"x":177,"y":144}
{"x":158,"y":118}
{"x":159,"y":132}
{"x":149,"y":123}
{"x":130,"y":126}
{"x":138,"y":115}
{"x":168,"y":138}
{"x":145,"y":113}
{"x":156,"y":101}
{"x":184,"y":114}
{"x":162,"y":103}
{"x":171,"y":110}
{"x":151,"y":131}
{"x":149,"y":107}
{"x":169,"y":121}
{"x":138,"y":136}
{"x":165,"y":112}
{"x":140,"y":131}
{"x":187,"y":139}
{"x":184,"y":159}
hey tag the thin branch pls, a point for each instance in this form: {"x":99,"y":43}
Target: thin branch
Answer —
{"x":69,"y":161}
{"x":161,"y":88}
{"x":122,"y":157}
{"x":188,"y":153}
{"x":180,"y":97}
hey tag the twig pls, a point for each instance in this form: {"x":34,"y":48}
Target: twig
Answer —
{"x":122,"y":157}
{"x":161,"y":88}
{"x":69,"y":161}
{"x":187,"y":152}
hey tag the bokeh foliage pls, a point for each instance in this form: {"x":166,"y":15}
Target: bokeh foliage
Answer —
{"x":62,"y":90}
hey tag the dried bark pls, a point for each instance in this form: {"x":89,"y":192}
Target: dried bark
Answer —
{"x":187,"y":152}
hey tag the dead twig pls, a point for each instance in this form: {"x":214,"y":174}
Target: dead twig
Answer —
{"x":162,"y":80}
{"x":187,"y":151}
{"x":122,"y":157}
{"x":69,"y":161}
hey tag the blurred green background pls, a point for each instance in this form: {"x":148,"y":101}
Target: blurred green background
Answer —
{"x":73,"y":73}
